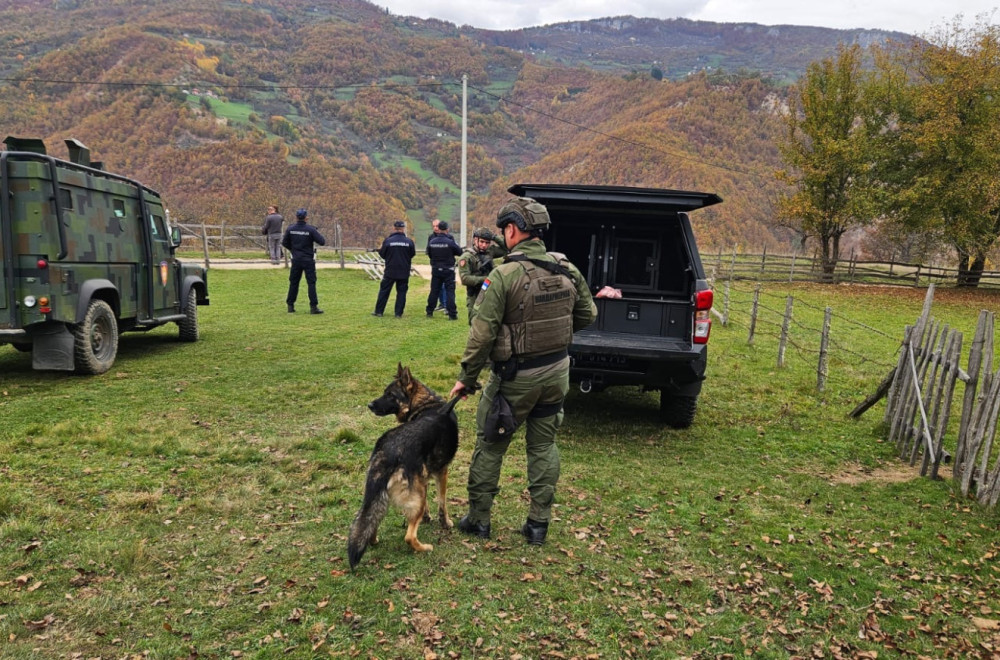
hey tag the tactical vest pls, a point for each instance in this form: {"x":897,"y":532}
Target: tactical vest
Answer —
{"x":477,"y":267}
{"x":538,"y":318}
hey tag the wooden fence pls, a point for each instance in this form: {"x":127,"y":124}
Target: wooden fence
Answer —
{"x":242,"y":237}
{"x":921,"y":389}
{"x":804,"y":268}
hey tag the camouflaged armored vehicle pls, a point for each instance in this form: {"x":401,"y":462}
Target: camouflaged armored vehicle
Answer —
{"x":84,"y":255}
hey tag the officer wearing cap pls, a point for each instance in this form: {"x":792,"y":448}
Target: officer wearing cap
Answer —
{"x":523,"y":322}
{"x":397,"y":251}
{"x":442,"y":250}
{"x":301,"y":240}
{"x":476,"y":263}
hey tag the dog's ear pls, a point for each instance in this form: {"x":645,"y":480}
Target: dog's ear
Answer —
{"x":399,"y":370}
{"x":405,"y":377}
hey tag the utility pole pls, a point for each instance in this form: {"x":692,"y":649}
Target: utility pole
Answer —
{"x":462,"y":221}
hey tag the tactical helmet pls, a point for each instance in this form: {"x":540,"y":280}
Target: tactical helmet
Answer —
{"x":483,"y":233}
{"x":301,"y":214}
{"x":525,"y":212}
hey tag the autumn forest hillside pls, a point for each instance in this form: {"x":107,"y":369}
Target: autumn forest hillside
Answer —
{"x":336,"y":105}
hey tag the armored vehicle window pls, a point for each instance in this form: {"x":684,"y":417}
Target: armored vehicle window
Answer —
{"x":156,"y":228}
{"x":65,"y":198}
{"x":119,"y":207}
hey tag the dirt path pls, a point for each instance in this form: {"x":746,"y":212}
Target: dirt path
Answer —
{"x":254,"y":264}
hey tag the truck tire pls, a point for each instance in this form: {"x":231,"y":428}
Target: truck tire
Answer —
{"x":189,"y":326}
{"x":677,"y":410}
{"x":95,"y":339}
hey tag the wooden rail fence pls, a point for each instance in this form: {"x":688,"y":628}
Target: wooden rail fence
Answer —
{"x":763,"y":266}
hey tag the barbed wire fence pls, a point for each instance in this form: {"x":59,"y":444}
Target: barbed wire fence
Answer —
{"x":819,"y":336}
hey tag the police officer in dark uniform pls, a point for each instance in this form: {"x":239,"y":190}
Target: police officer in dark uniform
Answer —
{"x":300,"y":239}
{"x":442,"y":250}
{"x":397,"y":251}
{"x":523,"y":322}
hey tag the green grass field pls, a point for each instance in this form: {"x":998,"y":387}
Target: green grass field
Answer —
{"x":194,"y":502}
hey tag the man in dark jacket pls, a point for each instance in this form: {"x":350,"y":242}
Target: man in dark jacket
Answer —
{"x":442,"y":250}
{"x":300,"y":239}
{"x":398,"y":251}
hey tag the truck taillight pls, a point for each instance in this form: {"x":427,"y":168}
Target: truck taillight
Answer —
{"x":702,"y":316}
{"x":42,"y":264}
{"x":43,"y":305}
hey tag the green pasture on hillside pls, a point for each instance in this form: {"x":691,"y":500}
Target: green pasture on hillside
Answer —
{"x":194,"y":502}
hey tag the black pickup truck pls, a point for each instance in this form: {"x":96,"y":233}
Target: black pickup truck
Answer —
{"x":636,"y":242}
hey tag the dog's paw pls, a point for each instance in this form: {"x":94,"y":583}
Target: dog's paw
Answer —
{"x":445,"y":521}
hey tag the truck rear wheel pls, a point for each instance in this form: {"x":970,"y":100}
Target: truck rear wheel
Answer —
{"x":95,"y":339}
{"x":189,"y":326}
{"x":677,"y":410}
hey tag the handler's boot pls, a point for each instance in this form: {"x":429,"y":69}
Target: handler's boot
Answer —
{"x":315,"y":310}
{"x":291,"y":308}
{"x":535,"y":531}
{"x":466,"y":526}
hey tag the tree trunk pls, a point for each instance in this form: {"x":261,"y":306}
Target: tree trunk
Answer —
{"x":967,"y":276}
{"x":830,"y":248}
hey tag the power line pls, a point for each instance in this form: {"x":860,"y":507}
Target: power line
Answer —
{"x":202,"y":83}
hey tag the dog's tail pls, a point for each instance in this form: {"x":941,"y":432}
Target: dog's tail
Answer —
{"x":366,"y":523}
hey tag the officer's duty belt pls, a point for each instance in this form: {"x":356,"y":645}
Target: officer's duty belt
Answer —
{"x":541,"y":360}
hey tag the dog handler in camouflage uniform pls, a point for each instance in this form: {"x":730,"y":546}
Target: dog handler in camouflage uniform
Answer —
{"x":523,"y":322}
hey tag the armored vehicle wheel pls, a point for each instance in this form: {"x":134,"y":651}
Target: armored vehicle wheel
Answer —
{"x":677,"y":411}
{"x":95,"y":339}
{"x":189,"y":326}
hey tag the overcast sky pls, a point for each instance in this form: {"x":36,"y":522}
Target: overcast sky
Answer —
{"x":916,"y":17}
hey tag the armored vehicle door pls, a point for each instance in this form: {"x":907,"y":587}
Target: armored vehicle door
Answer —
{"x":6,"y":259}
{"x":163,"y":285}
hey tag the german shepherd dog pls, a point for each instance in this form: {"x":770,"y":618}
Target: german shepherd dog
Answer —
{"x":403,"y":460}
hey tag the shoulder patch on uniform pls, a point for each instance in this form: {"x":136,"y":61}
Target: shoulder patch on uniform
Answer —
{"x":461,"y":263}
{"x":486,"y":284}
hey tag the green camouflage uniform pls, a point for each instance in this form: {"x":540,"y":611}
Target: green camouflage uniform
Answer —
{"x":535,"y":394}
{"x":474,"y":266}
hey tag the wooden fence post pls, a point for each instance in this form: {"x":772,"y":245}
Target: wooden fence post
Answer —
{"x":763,"y":261}
{"x":204,"y":243}
{"x":340,"y":247}
{"x":753,"y":314}
{"x":784,"y":332}
{"x":929,"y":390}
{"x":732,"y":264}
{"x":915,"y":368}
{"x":725,"y":305}
{"x":791,"y":272}
{"x":948,"y":378}
{"x":823,"y":350}
{"x":969,"y":400}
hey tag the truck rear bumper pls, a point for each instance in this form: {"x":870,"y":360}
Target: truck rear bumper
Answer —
{"x":602,"y":359}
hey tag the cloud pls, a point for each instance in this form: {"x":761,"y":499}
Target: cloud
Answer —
{"x":911,"y":16}
{"x":511,"y":14}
